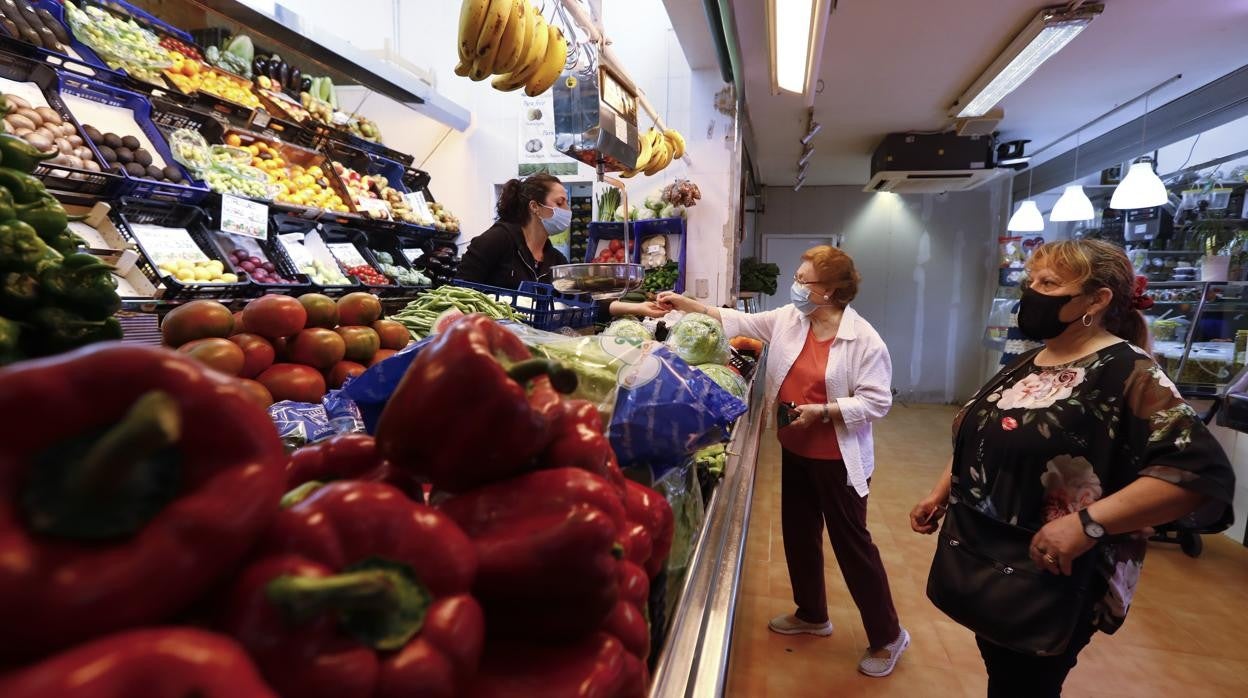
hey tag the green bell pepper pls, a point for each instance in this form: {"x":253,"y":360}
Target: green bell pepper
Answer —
{"x":24,"y":187}
{"x":21,"y":249}
{"x":19,"y":294}
{"x":10,"y":338}
{"x":17,"y":154}
{"x":48,"y":218}
{"x":58,"y":330}
{"x":84,"y":285}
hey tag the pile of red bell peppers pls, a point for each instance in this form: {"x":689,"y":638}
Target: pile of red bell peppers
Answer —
{"x":158,"y":541}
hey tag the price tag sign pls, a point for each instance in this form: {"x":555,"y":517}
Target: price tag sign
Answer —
{"x":168,"y":244}
{"x":371,"y":206}
{"x":416,"y":200}
{"x":244,"y":217}
{"x":293,"y":242}
{"x":347,"y":253}
{"x":413,"y":253}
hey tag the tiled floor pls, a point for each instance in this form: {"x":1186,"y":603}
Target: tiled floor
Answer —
{"x":1186,"y":635}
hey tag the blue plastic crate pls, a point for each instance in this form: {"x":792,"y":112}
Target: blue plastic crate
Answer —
{"x":152,"y":22}
{"x":536,"y":304}
{"x":671,"y":228}
{"x":106,"y":73}
{"x":600,"y":232}
{"x":139,"y":105}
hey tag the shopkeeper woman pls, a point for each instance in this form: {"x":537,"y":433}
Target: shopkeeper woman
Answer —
{"x":517,"y":247}
{"x":832,"y":376}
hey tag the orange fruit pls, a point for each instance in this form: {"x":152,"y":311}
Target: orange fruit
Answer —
{"x":190,"y":68}
{"x":233,"y":140}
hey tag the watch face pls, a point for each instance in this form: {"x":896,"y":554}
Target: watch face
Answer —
{"x":1094,"y":529}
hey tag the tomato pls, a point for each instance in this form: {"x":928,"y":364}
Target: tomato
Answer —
{"x":293,"y":382}
{"x":322,"y":310}
{"x":239,"y":327}
{"x":259,"y":353}
{"x":359,"y":308}
{"x":317,"y":347}
{"x":274,"y":316}
{"x":381,"y":355}
{"x":221,"y":354}
{"x":341,"y":371}
{"x":256,"y":390}
{"x":281,"y":349}
{"x":196,"y":320}
{"x":362,"y":343}
{"x":393,"y":334}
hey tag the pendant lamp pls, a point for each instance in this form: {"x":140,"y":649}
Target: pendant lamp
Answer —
{"x":1141,"y":188}
{"x":1074,"y":204}
{"x":1027,"y":219}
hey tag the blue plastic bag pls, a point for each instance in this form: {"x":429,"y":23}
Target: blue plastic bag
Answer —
{"x":302,"y":423}
{"x":372,"y":389}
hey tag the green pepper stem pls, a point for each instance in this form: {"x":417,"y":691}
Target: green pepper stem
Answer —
{"x":152,"y":424}
{"x":563,"y":380}
{"x":305,"y":597}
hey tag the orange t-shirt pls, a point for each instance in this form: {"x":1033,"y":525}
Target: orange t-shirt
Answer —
{"x":806,"y":384}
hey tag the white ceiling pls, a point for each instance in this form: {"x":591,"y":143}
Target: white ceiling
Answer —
{"x":898,"y":65}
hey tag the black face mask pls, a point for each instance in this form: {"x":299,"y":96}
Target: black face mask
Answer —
{"x":1039,"y":315}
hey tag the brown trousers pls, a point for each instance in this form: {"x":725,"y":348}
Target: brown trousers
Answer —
{"x":814,"y":493}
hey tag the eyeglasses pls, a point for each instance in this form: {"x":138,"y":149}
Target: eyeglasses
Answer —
{"x":804,"y":283}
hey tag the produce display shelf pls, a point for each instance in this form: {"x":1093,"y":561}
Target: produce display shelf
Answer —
{"x":273,"y":251}
{"x":89,"y":54}
{"x":693,"y":659}
{"x":337,"y":233}
{"x":287,"y":224}
{"x":138,"y":187}
{"x":58,"y":177}
{"x":600,"y":232}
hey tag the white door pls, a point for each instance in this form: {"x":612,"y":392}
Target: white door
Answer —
{"x":786,"y":252}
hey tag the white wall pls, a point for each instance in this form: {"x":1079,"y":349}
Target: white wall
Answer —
{"x":926,"y":263}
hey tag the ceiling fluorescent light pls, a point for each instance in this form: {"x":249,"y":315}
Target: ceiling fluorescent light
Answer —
{"x":1047,"y":34}
{"x":795,"y":29}
{"x":1073,"y":206}
{"x":1026,"y":219}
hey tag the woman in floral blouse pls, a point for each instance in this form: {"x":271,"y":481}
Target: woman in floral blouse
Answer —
{"x":1085,"y":442}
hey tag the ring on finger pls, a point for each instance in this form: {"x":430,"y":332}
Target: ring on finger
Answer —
{"x":1050,"y":559}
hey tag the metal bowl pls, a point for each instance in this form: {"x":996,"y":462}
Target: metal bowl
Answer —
{"x":601,"y":280}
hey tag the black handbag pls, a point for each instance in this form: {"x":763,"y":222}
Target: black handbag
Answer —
{"x":983,"y":577}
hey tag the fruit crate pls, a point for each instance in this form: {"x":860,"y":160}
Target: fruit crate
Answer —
{"x":141,"y":108}
{"x":102,"y":239}
{"x":271,"y":249}
{"x":57,"y":177}
{"x":393,"y":243}
{"x":369,"y":164}
{"x":336,"y":234}
{"x":601,"y":234}
{"x":540,"y":305}
{"x":152,"y":22}
{"x":286,"y":224}
{"x":676,"y":232}
{"x":292,"y":155}
{"x":415,"y":180}
{"x":130,"y":212}
{"x":90,"y":55}
{"x":381,"y":151}
{"x":61,"y":60}
{"x":170,"y":113}
{"x":285,"y":124}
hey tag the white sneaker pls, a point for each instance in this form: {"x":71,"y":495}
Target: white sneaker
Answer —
{"x":792,"y":625}
{"x":883,"y":666}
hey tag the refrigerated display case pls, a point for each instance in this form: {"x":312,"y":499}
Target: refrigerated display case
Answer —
{"x":1200,"y":333}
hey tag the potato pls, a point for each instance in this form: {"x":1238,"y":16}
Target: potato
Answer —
{"x":49,"y":115}
{"x":90,"y":166}
{"x":16,"y":102}
{"x":75,"y":139}
{"x":19,"y":121}
{"x":62,"y":144}
{"x":40,"y":141}
{"x":30,"y":114}
{"x":83,"y":152}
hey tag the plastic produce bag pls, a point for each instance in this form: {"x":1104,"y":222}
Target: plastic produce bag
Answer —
{"x":726,"y":378}
{"x":628,"y":329}
{"x":699,"y":339}
{"x":680,"y":487}
{"x":302,"y":423}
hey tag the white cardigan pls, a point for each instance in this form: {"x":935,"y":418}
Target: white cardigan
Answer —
{"x":859,"y":375}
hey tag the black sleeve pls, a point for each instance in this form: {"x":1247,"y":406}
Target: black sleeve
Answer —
{"x":480,"y":261}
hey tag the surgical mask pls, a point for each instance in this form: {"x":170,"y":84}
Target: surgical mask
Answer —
{"x":559,"y":220}
{"x":800,"y":295}
{"x":1039,"y":315}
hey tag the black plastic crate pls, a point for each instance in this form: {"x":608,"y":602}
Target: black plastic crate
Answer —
{"x":283,"y":224}
{"x":58,"y":177}
{"x":191,"y":218}
{"x":170,"y":113}
{"x":274,"y":251}
{"x":334,"y":233}
{"x":393,"y":244}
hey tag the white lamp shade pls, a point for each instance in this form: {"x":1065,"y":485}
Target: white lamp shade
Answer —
{"x":1073,"y":206}
{"x":1141,"y":188}
{"x":1026,"y":219}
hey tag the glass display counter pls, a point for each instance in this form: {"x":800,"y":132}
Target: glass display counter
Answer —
{"x":1200,"y":334}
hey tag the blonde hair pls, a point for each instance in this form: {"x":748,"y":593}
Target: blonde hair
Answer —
{"x":834,"y":269}
{"x":1096,"y":264}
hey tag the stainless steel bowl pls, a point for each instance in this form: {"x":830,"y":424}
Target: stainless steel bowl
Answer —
{"x":601,"y":280}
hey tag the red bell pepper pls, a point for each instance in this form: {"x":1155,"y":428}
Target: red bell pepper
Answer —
{"x":474,"y":407}
{"x":348,"y":457}
{"x":580,"y":443}
{"x":595,"y":667}
{"x":648,"y":507}
{"x":360,"y":592}
{"x":626,"y":621}
{"x":547,"y":546}
{"x":152,"y":663}
{"x":132,"y":478}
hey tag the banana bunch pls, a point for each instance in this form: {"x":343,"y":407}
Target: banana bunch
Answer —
{"x":658,"y":149}
{"x":510,"y":39}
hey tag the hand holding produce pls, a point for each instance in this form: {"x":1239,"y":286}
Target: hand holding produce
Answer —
{"x":123,"y":484}
{"x":360,"y":592}
{"x":161,"y":662}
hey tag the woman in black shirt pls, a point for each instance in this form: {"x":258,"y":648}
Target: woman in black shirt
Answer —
{"x":517,"y":247}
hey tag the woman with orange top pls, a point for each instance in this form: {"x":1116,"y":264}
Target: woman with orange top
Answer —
{"x":831,"y":376}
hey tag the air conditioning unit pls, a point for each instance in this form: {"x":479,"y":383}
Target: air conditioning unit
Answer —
{"x":917,"y":163}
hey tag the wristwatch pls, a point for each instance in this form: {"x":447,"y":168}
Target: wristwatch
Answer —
{"x":1091,"y":529}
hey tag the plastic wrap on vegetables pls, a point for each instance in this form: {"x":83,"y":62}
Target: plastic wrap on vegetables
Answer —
{"x":628,"y":329}
{"x":679,"y":486}
{"x":726,"y":378}
{"x":699,"y":339}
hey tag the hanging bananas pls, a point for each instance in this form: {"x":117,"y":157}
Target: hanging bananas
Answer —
{"x":510,"y":39}
{"x":658,"y":150}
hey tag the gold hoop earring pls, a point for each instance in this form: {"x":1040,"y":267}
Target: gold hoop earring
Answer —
{"x":1087,"y":320}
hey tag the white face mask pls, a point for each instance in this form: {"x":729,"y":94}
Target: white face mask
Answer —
{"x":800,"y":295}
{"x":559,"y":220}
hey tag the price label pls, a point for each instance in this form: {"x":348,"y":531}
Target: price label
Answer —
{"x":244,"y":217}
{"x":347,"y":253}
{"x":168,"y":244}
{"x":371,"y":206}
{"x":654,"y":249}
{"x":413,"y":253}
{"x":293,"y":242}
{"x":416,"y":200}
